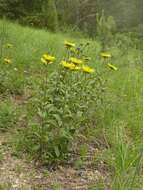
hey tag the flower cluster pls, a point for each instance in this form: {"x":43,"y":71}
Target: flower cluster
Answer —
{"x":71,"y":63}
{"x":75,"y":61}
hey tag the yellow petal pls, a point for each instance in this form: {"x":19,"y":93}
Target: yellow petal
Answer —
{"x":43,"y":61}
{"x":105,"y":55}
{"x":67,"y":65}
{"x":76,"y":60}
{"x":87,"y":69}
{"x":69,"y":44}
{"x":112,"y":67}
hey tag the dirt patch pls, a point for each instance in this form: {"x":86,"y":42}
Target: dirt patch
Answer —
{"x":19,"y":174}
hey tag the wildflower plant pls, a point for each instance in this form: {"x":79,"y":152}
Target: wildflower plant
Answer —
{"x":65,"y":105}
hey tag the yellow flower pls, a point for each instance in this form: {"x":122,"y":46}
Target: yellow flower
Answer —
{"x":105,"y":55}
{"x":67,"y":65}
{"x":112,"y":67}
{"x":69,"y":45}
{"x":43,"y":60}
{"x":8,"y":45}
{"x":7,"y":61}
{"x":75,"y":68}
{"x":47,"y":59}
{"x":87,"y":69}
{"x":76,"y":61}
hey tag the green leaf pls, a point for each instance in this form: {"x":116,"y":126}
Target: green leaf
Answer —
{"x":36,"y":148}
{"x":57,"y":152}
{"x":58,"y":119}
{"x":52,"y":122}
{"x":42,"y":114}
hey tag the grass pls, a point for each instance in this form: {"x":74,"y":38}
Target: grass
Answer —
{"x":119,"y":126}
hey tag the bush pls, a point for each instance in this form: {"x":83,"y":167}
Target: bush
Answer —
{"x":11,"y":9}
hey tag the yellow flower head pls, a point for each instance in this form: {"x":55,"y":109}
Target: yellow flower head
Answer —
{"x":8,"y":45}
{"x":47,"y":59}
{"x":76,"y":61}
{"x":69,"y":45}
{"x":112,"y":67}
{"x":105,"y":55}
{"x":7,"y":61}
{"x":87,"y":69}
{"x":76,"y":68}
{"x":68,"y":65}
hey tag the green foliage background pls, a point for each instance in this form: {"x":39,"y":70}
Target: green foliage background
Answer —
{"x":80,"y":14}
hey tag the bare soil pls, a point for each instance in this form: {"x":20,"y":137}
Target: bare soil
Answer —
{"x":20,"y":174}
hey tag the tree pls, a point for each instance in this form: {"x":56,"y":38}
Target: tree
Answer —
{"x":50,"y":14}
{"x":12,"y":9}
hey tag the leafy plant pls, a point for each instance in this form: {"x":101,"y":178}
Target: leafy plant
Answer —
{"x":64,"y":106}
